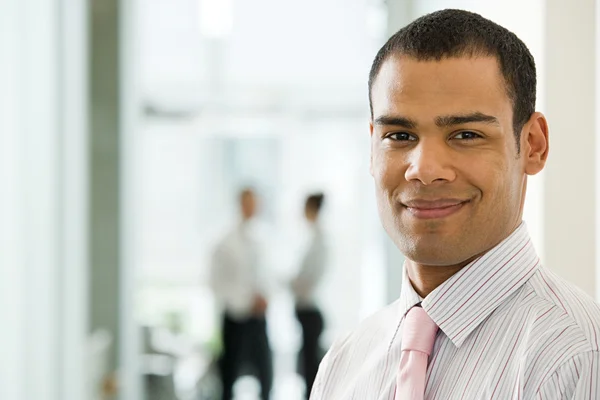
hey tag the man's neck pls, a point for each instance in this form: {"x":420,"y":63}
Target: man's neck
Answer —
{"x":426,"y":278}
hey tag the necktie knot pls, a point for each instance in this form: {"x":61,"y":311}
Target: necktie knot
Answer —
{"x":418,"y":331}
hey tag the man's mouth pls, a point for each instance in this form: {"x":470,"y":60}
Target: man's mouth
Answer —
{"x":431,"y":209}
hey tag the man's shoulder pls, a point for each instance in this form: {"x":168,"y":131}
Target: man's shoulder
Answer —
{"x":576,"y":306}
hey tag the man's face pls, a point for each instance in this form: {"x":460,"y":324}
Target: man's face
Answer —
{"x":249,"y":205}
{"x":450,"y":183}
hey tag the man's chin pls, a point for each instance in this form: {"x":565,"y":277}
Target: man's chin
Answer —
{"x":434,"y":254}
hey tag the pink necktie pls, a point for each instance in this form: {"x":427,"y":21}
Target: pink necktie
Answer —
{"x":418,"y":335}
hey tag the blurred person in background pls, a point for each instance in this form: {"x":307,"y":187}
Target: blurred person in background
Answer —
{"x":454,"y":138}
{"x":304,"y":286}
{"x":238,"y":281}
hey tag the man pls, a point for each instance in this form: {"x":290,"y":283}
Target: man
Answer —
{"x":454,"y":135}
{"x":304,"y":287}
{"x":240,"y":288}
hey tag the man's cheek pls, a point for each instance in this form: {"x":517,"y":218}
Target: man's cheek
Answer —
{"x":391,"y":176}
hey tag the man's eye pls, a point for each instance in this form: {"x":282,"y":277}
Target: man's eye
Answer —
{"x":401,"y":136}
{"x":467,"y":135}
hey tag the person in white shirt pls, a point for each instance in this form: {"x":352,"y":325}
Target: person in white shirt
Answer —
{"x":304,"y":286}
{"x":238,"y":281}
{"x":454,"y":137}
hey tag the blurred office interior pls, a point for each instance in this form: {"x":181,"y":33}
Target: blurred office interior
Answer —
{"x":128,"y":127}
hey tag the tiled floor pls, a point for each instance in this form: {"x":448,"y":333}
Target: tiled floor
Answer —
{"x":285,"y":387}
{"x":287,"y":384}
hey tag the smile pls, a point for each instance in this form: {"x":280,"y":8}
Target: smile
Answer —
{"x":426,"y":209}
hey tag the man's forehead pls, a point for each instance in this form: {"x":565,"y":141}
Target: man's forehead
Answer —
{"x":454,"y":85}
{"x":400,"y":72}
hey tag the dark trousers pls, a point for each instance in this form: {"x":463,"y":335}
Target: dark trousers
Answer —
{"x":311,"y":353}
{"x":245,"y":344}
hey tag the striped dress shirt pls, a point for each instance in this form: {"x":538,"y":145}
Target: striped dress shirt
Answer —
{"x":509,"y":329}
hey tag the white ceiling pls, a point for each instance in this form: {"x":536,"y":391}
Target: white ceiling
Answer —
{"x":278,"y":52}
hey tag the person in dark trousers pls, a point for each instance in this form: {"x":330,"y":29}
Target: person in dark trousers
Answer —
{"x":239,"y":281}
{"x":304,"y":286}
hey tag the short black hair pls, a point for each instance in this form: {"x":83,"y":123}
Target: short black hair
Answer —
{"x":315,"y":201}
{"x":458,"y":33}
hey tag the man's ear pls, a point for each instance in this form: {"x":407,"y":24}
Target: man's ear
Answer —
{"x":534,"y":143}
{"x":371,"y":151}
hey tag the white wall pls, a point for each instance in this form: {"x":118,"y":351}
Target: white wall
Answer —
{"x":570,"y":181}
{"x":42,"y":176}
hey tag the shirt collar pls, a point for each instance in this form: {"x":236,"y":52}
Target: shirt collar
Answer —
{"x":468,"y":297}
{"x":408,"y":296}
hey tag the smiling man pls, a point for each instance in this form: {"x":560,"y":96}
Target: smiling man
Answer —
{"x":454,"y":136}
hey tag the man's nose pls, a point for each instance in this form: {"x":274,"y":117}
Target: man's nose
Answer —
{"x":430,"y":162}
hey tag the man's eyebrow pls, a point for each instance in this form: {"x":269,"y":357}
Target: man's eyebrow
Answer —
{"x":451,"y":120}
{"x":441,"y":121}
{"x":395,"y":120}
